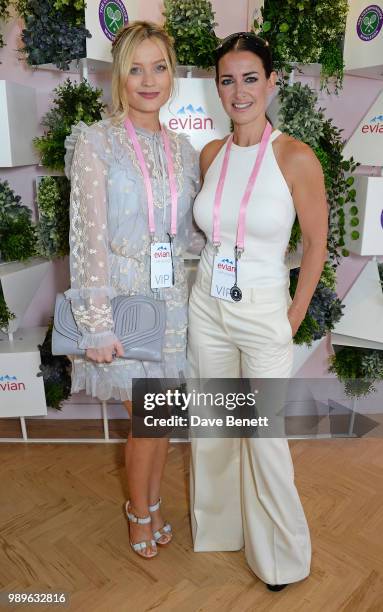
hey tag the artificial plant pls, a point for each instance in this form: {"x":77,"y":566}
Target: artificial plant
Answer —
{"x":5,"y":314}
{"x":55,"y":370}
{"x":54,"y":31}
{"x":4,"y":16}
{"x":191,"y":24}
{"x":53,"y":197}
{"x":325,"y":308}
{"x":358,"y":368}
{"x":299,"y":117}
{"x":73,"y":102}
{"x":17,"y":233}
{"x":306,"y":31}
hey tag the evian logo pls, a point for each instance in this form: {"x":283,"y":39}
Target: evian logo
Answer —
{"x":190,"y":118}
{"x":374,"y":126}
{"x":161,"y":252}
{"x":226,"y":264}
{"x":9,"y":383}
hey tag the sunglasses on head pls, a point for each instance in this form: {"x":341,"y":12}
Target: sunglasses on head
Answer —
{"x":260,"y":42}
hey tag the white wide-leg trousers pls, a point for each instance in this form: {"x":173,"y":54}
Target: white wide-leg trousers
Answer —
{"x":242,"y":490}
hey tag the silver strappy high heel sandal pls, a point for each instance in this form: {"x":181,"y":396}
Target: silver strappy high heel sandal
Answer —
{"x":163,"y":535}
{"x":139,"y":547}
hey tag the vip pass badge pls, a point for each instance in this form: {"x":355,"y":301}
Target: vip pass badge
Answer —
{"x":225,"y":271}
{"x":112,"y":15}
{"x":370,"y":22}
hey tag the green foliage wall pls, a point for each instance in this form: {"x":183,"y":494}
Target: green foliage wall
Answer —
{"x":17,"y":232}
{"x":191,"y":24}
{"x":53,"y":198}
{"x":73,"y":102}
{"x":306,"y":31}
{"x":54,"y":31}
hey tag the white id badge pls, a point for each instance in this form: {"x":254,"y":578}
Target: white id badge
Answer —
{"x":161,"y":269}
{"x":223,"y":277}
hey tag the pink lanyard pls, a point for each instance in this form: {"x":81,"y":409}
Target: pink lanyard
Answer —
{"x":240,"y":242}
{"x":148,"y":185}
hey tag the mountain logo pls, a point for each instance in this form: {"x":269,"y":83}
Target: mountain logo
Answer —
{"x":191,"y":117}
{"x":374,"y":125}
{"x":9,"y":383}
{"x":191,"y":110}
{"x":369,"y":22}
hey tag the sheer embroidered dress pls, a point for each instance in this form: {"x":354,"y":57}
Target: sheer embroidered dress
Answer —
{"x":110,"y":245}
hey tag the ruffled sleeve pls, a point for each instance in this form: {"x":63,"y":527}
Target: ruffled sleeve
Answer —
{"x":195,"y":238}
{"x":90,"y":291}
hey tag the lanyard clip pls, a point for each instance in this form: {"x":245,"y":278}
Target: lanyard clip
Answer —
{"x":238,"y":252}
{"x":216,"y":246}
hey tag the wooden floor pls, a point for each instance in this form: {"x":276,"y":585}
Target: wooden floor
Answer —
{"x":62,"y":528}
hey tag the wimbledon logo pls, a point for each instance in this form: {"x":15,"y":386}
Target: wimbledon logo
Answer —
{"x":190,"y":118}
{"x":374,"y":126}
{"x":112,"y":15}
{"x":370,"y":22}
{"x":9,"y":383}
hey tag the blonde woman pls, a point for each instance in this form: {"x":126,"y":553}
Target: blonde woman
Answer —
{"x":110,"y":242}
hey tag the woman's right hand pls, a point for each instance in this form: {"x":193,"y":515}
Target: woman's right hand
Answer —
{"x":105,"y":354}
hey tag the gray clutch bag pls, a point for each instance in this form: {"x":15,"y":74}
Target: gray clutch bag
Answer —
{"x":139,"y":324}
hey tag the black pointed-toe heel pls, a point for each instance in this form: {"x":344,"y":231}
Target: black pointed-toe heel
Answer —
{"x":276,"y":587}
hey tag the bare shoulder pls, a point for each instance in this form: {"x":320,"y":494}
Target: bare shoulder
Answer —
{"x":209,"y":153}
{"x":294,"y":154}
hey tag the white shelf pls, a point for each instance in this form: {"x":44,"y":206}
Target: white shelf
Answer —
{"x":369,"y":200}
{"x":18,"y":125}
{"x":363,"y":45}
{"x":77,"y":66}
{"x":309,"y":70}
{"x":361,"y":324}
{"x":22,"y":392}
{"x":302,"y":353}
{"x":365,"y":143}
{"x":25,"y":340}
{"x":20,"y":281}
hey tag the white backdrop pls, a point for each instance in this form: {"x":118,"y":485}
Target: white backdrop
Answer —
{"x":196,"y":110}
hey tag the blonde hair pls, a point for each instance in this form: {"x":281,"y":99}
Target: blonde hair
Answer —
{"x":123,"y":49}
